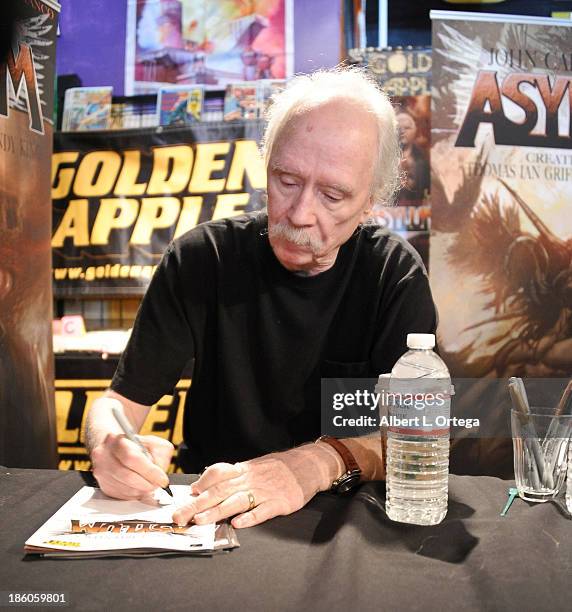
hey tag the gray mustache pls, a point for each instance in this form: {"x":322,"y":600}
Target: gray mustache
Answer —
{"x":295,"y":235}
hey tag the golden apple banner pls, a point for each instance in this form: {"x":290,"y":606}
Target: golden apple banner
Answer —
{"x":119,"y":198}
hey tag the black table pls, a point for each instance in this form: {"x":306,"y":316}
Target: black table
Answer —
{"x":334,"y":554}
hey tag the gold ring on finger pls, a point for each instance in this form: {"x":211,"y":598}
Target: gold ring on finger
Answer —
{"x":251,"y":501}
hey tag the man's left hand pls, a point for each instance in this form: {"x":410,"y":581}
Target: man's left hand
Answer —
{"x":260,"y":489}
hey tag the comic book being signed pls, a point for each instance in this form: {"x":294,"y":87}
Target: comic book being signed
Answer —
{"x":91,"y":525}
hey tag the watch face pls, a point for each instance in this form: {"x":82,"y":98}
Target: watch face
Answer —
{"x":348,"y":482}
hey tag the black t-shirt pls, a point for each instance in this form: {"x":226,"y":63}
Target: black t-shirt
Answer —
{"x":262,"y":337}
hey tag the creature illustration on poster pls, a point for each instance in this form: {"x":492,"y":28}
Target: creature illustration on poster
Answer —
{"x":206,"y":42}
{"x":501,"y":189}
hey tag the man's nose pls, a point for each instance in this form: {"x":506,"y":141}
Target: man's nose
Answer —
{"x":303,"y":211}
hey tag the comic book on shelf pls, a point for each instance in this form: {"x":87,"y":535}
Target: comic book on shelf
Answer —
{"x":241,"y":101}
{"x":87,"y":108}
{"x":266,"y":89}
{"x":180,"y":105}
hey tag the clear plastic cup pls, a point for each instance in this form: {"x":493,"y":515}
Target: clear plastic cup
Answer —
{"x":540,"y":445}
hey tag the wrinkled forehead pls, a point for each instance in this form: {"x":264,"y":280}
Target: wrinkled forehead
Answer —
{"x":345,"y":109}
{"x":343,"y":120}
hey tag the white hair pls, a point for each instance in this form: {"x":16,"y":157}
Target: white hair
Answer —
{"x":309,"y":91}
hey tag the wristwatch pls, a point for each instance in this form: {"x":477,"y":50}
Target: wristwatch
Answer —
{"x":351,"y":477}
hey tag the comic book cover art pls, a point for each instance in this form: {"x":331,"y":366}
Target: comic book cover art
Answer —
{"x":266,"y":90}
{"x":208,"y":42}
{"x":91,"y":525}
{"x":405,"y":76}
{"x":87,"y":108}
{"x":116,"y":116}
{"x":179,"y":105}
{"x":501,"y":160}
{"x":414,"y":123}
{"x":241,"y":101}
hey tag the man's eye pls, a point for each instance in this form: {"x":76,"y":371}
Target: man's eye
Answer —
{"x":332,"y":198}
{"x":287,"y":182}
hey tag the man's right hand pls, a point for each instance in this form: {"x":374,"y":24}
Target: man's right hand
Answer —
{"x":119,"y":465}
{"x":124,"y":472}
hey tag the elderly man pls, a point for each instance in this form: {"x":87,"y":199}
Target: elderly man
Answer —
{"x":267,"y":304}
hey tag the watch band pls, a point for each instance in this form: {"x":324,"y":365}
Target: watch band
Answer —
{"x":352,"y":475}
{"x":343,"y":451}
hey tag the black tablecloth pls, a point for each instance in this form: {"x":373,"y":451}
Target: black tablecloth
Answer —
{"x":334,"y":554}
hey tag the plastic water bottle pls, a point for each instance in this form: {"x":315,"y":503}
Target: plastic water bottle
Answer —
{"x":418,"y":435}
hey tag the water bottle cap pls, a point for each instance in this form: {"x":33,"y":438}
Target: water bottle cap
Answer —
{"x":420,"y":341}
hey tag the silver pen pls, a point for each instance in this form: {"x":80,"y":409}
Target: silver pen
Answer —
{"x":131,"y":435}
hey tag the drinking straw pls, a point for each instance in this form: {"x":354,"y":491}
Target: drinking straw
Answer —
{"x":532,"y":467}
{"x":563,"y":407}
{"x":520,"y":404}
{"x":565,"y":402}
{"x":536,"y":480}
{"x":556,"y":430}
